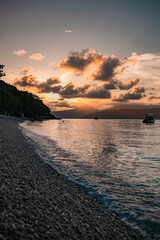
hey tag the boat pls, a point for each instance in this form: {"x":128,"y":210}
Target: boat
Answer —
{"x":96,"y":117}
{"x":149,"y":118}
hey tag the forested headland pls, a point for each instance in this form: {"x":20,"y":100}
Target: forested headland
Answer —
{"x":15,"y":103}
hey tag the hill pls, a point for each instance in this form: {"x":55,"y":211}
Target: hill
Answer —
{"x":79,"y":112}
{"x":15,"y":102}
{"x":125,"y":113}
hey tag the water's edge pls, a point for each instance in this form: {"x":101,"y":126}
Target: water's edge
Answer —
{"x":89,"y":190}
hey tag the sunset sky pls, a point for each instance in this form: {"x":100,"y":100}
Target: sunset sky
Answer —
{"x":99,"y":52}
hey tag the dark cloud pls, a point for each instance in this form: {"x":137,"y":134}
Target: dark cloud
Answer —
{"x":107,"y":69}
{"x":98,"y":92}
{"x":52,"y":85}
{"x":116,"y":84}
{"x":77,"y":62}
{"x":62,"y":104}
{"x":152,"y":97}
{"x":71,"y":91}
{"x":56,"y":89}
{"x":52,"y":81}
{"x":47,"y":86}
{"x":135,"y":94}
{"x":128,"y":85}
{"x":27,"y":81}
{"x":102,"y":94}
{"x":43,"y":87}
{"x":26,"y":70}
{"x":110,"y":86}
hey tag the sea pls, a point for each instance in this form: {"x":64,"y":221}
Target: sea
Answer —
{"x":117,"y":161}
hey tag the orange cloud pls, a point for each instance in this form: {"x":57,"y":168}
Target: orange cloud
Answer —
{"x":68,"y":31}
{"x":135,"y":94}
{"x":37,"y":56}
{"x":106,"y":68}
{"x":134,"y":58}
{"x":27,"y":81}
{"x":129,"y":84}
{"x":19,"y":52}
{"x":60,"y":104}
{"x":76,"y":63}
{"x":25,"y":70}
{"x":31,"y":81}
{"x":153,"y":97}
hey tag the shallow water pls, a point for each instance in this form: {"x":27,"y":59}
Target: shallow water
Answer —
{"x":116,"y":160}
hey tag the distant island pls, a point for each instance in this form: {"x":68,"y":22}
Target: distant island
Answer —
{"x":87,"y":112}
{"x":22,"y":103}
{"x":79,"y":112}
{"x":125,"y":113}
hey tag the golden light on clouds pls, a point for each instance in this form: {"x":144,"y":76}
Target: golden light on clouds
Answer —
{"x":93,"y":78}
{"x":37,"y":56}
{"x":26,"y":70}
{"x":19,"y":52}
{"x":68,"y":31}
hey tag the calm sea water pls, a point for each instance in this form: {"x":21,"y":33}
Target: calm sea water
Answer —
{"x":116,"y":160}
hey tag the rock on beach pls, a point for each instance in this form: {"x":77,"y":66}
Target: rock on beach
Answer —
{"x":37,"y":202}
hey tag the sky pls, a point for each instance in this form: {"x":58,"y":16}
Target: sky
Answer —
{"x":98,"y":52}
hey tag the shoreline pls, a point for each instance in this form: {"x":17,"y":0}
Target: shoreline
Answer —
{"x":37,"y":202}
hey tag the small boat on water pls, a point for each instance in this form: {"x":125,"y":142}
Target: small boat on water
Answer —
{"x":149,"y":118}
{"x":96,"y":117}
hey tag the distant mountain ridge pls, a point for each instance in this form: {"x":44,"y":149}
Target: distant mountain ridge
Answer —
{"x":112,"y":113}
{"x":79,"y":112}
{"x":125,"y":113}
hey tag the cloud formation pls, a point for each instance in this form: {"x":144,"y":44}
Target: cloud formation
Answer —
{"x":72,"y":91}
{"x":26,"y":70}
{"x":152,"y":97}
{"x":130,"y":84}
{"x":43,"y":87}
{"x":37,"y":56}
{"x":110,"y":86}
{"x":47,"y":86}
{"x":68,"y":31}
{"x":19,"y":52}
{"x":135,"y":94}
{"x":69,"y":91}
{"x":76,"y":62}
{"x":60,"y":104}
{"x":26,"y":81}
{"x":106,"y":68}
{"x":98,"y":93}
{"x":134,"y":58}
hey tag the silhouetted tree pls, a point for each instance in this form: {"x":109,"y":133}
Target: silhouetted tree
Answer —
{"x":1,"y":71}
{"x":16,"y":102}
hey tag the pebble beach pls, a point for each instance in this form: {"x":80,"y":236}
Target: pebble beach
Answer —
{"x":37,"y":202}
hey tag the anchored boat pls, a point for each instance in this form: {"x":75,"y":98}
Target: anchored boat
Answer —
{"x":149,"y":118}
{"x":96,"y":117}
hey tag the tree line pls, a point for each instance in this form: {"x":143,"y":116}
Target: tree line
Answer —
{"x":16,"y":103}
